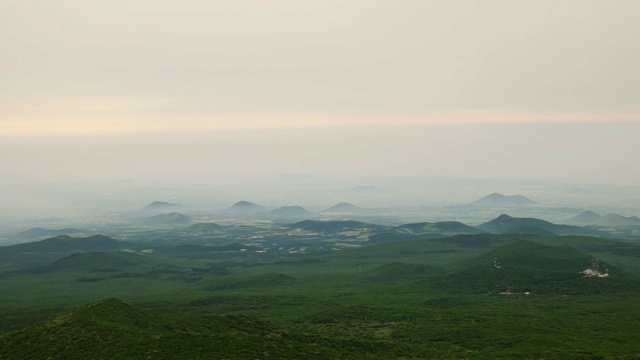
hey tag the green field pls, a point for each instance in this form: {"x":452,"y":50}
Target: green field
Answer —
{"x":422,"y":299}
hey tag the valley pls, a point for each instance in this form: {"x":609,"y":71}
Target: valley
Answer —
{"x":254,"y":288}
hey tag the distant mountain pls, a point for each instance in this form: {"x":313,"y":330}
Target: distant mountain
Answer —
{"x":497,"y":199}
{"x":65,"y":243}
{"x":505,"y":223}
{"x":156,"y":208}
{"x":288,"y":212}
{"x":610,"y":220}
{"x":615,"y":220}
{"x":343,"y":207}
{"x":162,"y":206}
{"x":244,"y":208}
{"x":332,"y":226}
{"x":525,"y":266}
{"x":584,"y":218}
{"x":39,"y":232}
{"x":168,"y":219}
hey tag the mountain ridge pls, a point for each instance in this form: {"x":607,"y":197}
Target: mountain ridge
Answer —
{"x":584,"y":218}
{"x":243,"y":207}
{"x":63,"y":243}
{"x":343,"y":207}
{"x":504,"y":223}
{"x":40,"y":232}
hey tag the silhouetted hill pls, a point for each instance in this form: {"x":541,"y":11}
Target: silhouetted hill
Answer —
{"x":161,"y":206}
{"x":343,"y":207}
{"x":504,"y":223}
{"x":584,"y":218}
{"x":39,"y":232}
{"x":244,"y":208}
{"x":525,"y":266}
{"x":65,"y":243}
{"x":156,"y":208}
{"x":288,"y":212}
{"x":332,"y":226}
{"x":497,"y":199}
{"x":615,"y":220}
{"x":168,"y":219}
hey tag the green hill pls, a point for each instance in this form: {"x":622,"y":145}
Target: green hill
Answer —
{"x":423,"y":230}
{"x":111,"y":329}
{"x":526,"y":266}
{"x":64,"y":243}
{"x":504,"y":223}
{"x":107,"y":329}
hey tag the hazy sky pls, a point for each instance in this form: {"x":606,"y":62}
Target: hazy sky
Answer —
{"x":120,"y":88}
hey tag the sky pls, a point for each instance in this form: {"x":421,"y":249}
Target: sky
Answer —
{"x":115,"y":89}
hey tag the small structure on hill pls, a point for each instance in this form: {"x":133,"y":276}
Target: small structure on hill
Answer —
{"x":594,"y":270}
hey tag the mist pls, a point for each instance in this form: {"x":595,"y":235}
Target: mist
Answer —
{"x":91,"y":174}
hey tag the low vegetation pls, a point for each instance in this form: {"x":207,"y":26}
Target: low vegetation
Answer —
{"x":268,"y":295}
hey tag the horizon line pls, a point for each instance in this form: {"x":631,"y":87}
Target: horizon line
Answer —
{"x":164,"y":125}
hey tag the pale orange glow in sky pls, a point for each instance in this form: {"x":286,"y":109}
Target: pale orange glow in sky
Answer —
{"x":108,"y":125}
{"x":472,"y":88}
{"x":115,"y":67}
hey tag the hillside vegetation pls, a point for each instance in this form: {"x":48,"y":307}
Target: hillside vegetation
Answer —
{"x":478,"y":295}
